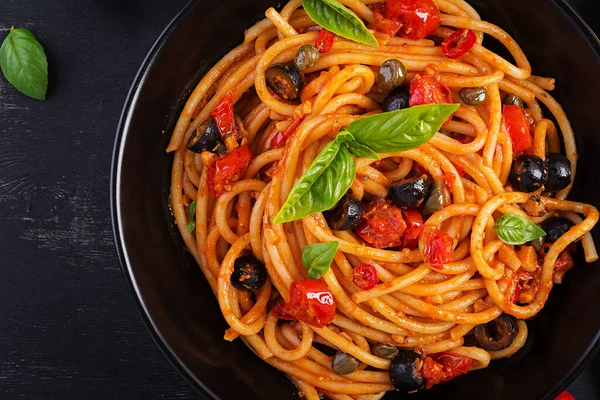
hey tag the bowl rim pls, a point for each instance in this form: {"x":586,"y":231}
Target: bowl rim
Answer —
{"x":116,"y":217}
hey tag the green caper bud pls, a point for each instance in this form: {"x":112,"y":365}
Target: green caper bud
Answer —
{"x":513,"y":99}
{"x":473,"y":96}
{"x":306,"y":56}
{"x":435,"y":201}
{"x":344,"y":364}
{"x":384,"y":350}
{"x":392,"y":74}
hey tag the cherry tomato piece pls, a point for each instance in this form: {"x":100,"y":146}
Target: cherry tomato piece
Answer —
{"x":459,"y":43}
{"x":420,"y":18}
{"x":365,"y":276}
{"x":278,"y":312}
{"x":565,"y":396}
{"x":427,"y":89}
{"x":382,"y":225}
{"x":414,"y":226}
{"x":325,"y":40}
{"x":310,"y":302}
{"x":437,"y":247}
{"x":223,"y":116}
{"x":228,"y":169}
{"x":442,"y":367}
{"x":385,"y":25}
{"x":281,"y":138}
{"x":518,"y":128}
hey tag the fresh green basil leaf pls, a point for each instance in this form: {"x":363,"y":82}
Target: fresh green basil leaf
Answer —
{"x":335,"y":17}
{"x":323,"y":184}
{"x":317,"y":258}
{"x":516,"y":230}
{"x":192,"y":209}
{"x":24,"y":63}
{"x":402,"y":129}
{"x":191,"y":225}
{"x":359,"y":150}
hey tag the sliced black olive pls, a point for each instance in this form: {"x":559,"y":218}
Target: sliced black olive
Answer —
{"x":435,"y":201}
{"x":397,"y":99}
{"x":392,"y":73}
{"x":384,"y":350}
{"x":205,"y":138}
{"x":513,"y":99}
{"x":346,"y":215}
{"x":528,"y":173}
{"x":344,"y":364}
{"x":559,"y":172}
{"x":306,"y":56}
{"x":555,"y":227}
{"x":285,"y":80}
{"x":248,"y":274}
{"x":473,"y":96}
{"x":406,"y":371}
{"x":410,"y":192}
{"x":497,"y":334}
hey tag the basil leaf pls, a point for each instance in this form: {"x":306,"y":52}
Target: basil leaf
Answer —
{"x":402,"y":129}
{"x":335,"y":17}
{"x":192,"y":209}
{"x":24,"y":63}
{"x":516,"y":230}
{"x":317,"y":258}
{"x":324,"y":183}
{"x":191,"y":225}
{"x":359,"y":150}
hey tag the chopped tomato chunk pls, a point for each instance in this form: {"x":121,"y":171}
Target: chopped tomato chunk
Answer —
{"x":228,"y":169}
{"x":442,"y":367}
{"x":449,"y":179}
{"x":325,"y":40}
{"x":437,"y":247}
{"x":281,"y":138}
{"x":310,"y":302}
{"x":414,"y":226}
{"x":518,"y":128}
{"x":419,"y":18}
{"x":223,"y":116}
{"x":427,"y":88}
{"x":385,"y":25}
{"x":382,"y":225}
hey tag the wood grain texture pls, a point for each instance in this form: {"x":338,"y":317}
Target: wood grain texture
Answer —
{"x":68,"y":326}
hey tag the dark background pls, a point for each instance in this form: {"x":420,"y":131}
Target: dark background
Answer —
{"x":68,"y":326}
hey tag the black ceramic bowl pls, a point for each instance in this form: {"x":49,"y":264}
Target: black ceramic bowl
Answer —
{"x":176,"y":302}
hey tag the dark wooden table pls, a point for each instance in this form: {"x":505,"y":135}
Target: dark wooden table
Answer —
{"x":68,"y":326}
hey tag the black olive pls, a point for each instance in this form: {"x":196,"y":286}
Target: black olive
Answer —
{"x":397,"y":99}
{"x":410,"y":192}
{"x":435,"y":201}
{"x":384,"y":350}
{"x":306,"y":56}
{"x":559,"y":172}
{"x":248,"y":274}
{"x":344,"y":364}
{"x":555,"y":227}
{"x":473,"y":96}
{"x":406,"y":371}
{"x":346,"y":215}
{"x":392,"y":74}
{"x":497,"y":334}
{"x":528,"y":173}
{"x":513,"y":99}
{"x":285,"y":80}
{"x":205,"y":138}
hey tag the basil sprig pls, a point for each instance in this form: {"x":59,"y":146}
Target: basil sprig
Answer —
{"x":516,"y":230}
{"x":332,"y":172}
{"x":24,"y":63}
{"x":192,"y":222}
{"x":317,"y":258}
{"x":335,"y":17}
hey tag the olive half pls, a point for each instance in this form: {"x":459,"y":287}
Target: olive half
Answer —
{"x":559,"y":172}
{"x":555,"y":227}
{"x":285,"y":80}
{"x":248,"y":274}
{"x":205,"y":138}
{"x":406,"y":371}
{"x":497,"y":334}
{"x":410,"y":192}
{"x":397,"y":99}
{"x":528,"y":173}
{"x":435,"y":201}
{"x":346,"y":215}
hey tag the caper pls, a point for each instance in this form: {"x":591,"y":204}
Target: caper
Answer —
{"x":306,"y":56}
{"x":473,"y":96}
{"x":392,"y":74}
{"x":344,"y":363}
{"x":513,"y":99}
{"x":385,"y":350}
{"x":435,"y":201}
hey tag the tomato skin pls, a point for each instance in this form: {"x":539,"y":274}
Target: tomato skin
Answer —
{"x":565,"y":396}
{"x":385,"y":25}
{"x":518,"y":128}
{"x":414,"y":226}
{"x":223,"y":116}
{"x":228,"y":169}
{"x":325,"y":40}
{"x":459,"y":43}
{"x":278,"y":312}
{"x":419,"y":18}
{"x":437,"y":247}
{"x":280,"y":138}
{"x":382,"y":225}
{"x":365,"y":276}
{"x":427,"y":89}
{"x":442,"y":367}
{"x":310,"y":302}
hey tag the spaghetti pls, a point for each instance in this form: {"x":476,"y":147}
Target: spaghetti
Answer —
{"x":426,"y":287}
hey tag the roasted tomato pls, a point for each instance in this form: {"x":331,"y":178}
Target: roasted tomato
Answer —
{"x":223,"y":116}
{"x":437,"y":247}
{"x":281,"y":138}
{"x":325,"y":40}
{"x":414,"y":226}
{"x":442,"y":367}
{"x":459,"y":43}
{"x":228,"y":169}
{"x":420,"y":18}
{"x":518,"y":128}
{"x":426,"y":88}
{"x":279,"y":313}
{"x":382,"y":225}
{"x":365,"y":276}
{"x":310,"y":302}
{"x":385,"y":25}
